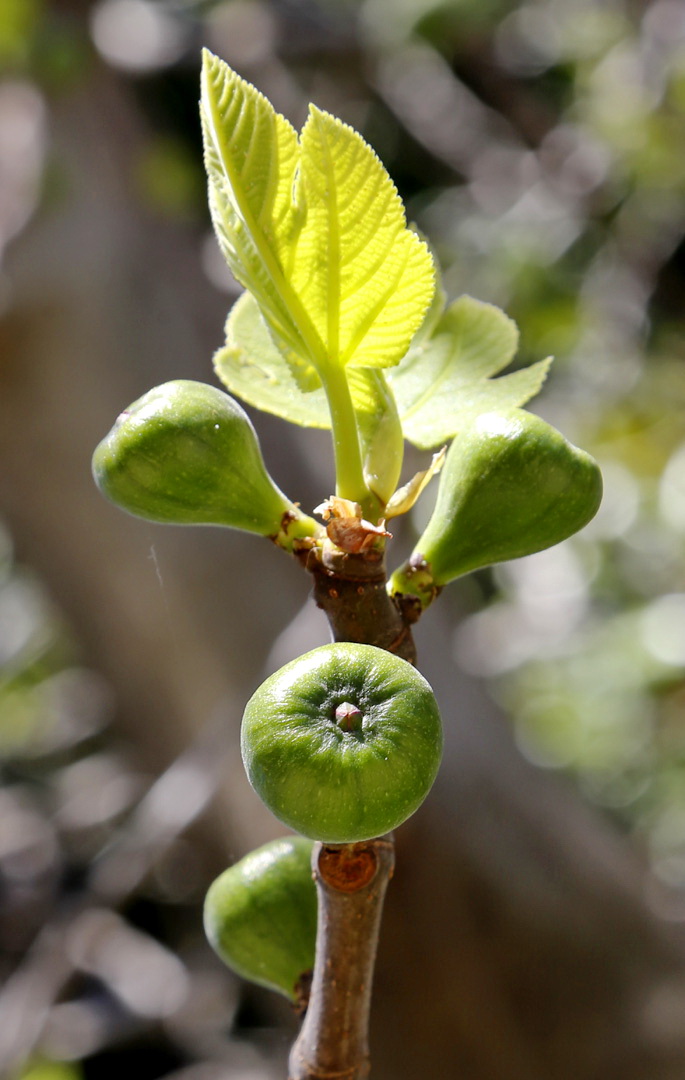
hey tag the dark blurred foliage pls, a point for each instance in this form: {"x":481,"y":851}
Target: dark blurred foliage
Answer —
{"x":540,"y":146}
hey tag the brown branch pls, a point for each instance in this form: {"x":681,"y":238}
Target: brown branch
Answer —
{"x":351,"y":880}
{"x":350,"y":588}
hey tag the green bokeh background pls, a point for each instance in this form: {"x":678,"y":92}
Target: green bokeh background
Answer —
{"x":541,"y":148}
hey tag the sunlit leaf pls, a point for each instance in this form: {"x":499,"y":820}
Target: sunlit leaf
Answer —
{"x":434,"y":311}
{"x":450,"y":377}
{"x":254,"y":369}
{"x":364,"y":277}
{"x":251,"y":157}
{"x":315,"y":229}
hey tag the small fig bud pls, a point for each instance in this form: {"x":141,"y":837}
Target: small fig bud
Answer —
{"x":511,"y":485}
{"x":260,"y":916}
{"x":344,"y":743}
{"x":186,"y":453}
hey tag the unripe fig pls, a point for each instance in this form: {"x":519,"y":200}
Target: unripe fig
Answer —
{"x":260,"y":916}
{"x":187,"y":453}
{"x":511,"y":485}
{"x":344,"y":743}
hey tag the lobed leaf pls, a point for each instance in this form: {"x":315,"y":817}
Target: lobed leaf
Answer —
{"x":365,"y":278}
{"x":449,"y":378}
{"x":314,"y":229}
{"x":252,"y":367}
{"x":251,"y":158}
{"x":339,"y":288}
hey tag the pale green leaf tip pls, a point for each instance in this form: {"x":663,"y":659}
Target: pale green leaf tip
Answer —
{"x":543,"y":369}
{"x":470,"y":304}
{"x":315,"y":113}
{"x":209,"y":62}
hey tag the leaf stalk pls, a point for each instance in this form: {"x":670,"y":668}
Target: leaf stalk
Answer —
{"x":349,"y":471}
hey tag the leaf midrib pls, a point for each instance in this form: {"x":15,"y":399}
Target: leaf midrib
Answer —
{"x":333,"y":244}
{"x":306,"y":329}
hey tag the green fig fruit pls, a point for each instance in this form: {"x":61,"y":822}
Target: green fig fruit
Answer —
{"x":511,"y":485}
{"x":344,"y":743}
{"x":260,"y":916}
{"x":186,"y":453}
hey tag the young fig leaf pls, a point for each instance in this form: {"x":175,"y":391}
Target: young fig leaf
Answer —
{"x":186,"y":453}
{"x":313,"y":228}
{"x":511,"y":485}
{"x":364,"y":276}
{"x":316,"y":231}
{"x":251,"y":158}
{"x":260,"y":916}
{"x":253,"y":368}
{"x":447,"y":379}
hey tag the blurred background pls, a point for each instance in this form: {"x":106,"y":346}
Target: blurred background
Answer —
{"x":535,"y":925}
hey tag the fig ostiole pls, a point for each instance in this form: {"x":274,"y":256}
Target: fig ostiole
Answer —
{"x":511,"y":485}
{"x":187,"y":453}
{"x":344,"y":743}
{"x":260,"y":916}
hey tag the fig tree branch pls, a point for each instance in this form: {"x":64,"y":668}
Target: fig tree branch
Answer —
{"x":351,"y":590}
{"x":351,"y":880}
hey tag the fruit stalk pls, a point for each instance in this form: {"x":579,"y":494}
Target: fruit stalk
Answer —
{"x":351,"y":880}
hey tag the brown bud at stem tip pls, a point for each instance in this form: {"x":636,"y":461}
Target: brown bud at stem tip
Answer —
{"x":348,"y":717}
